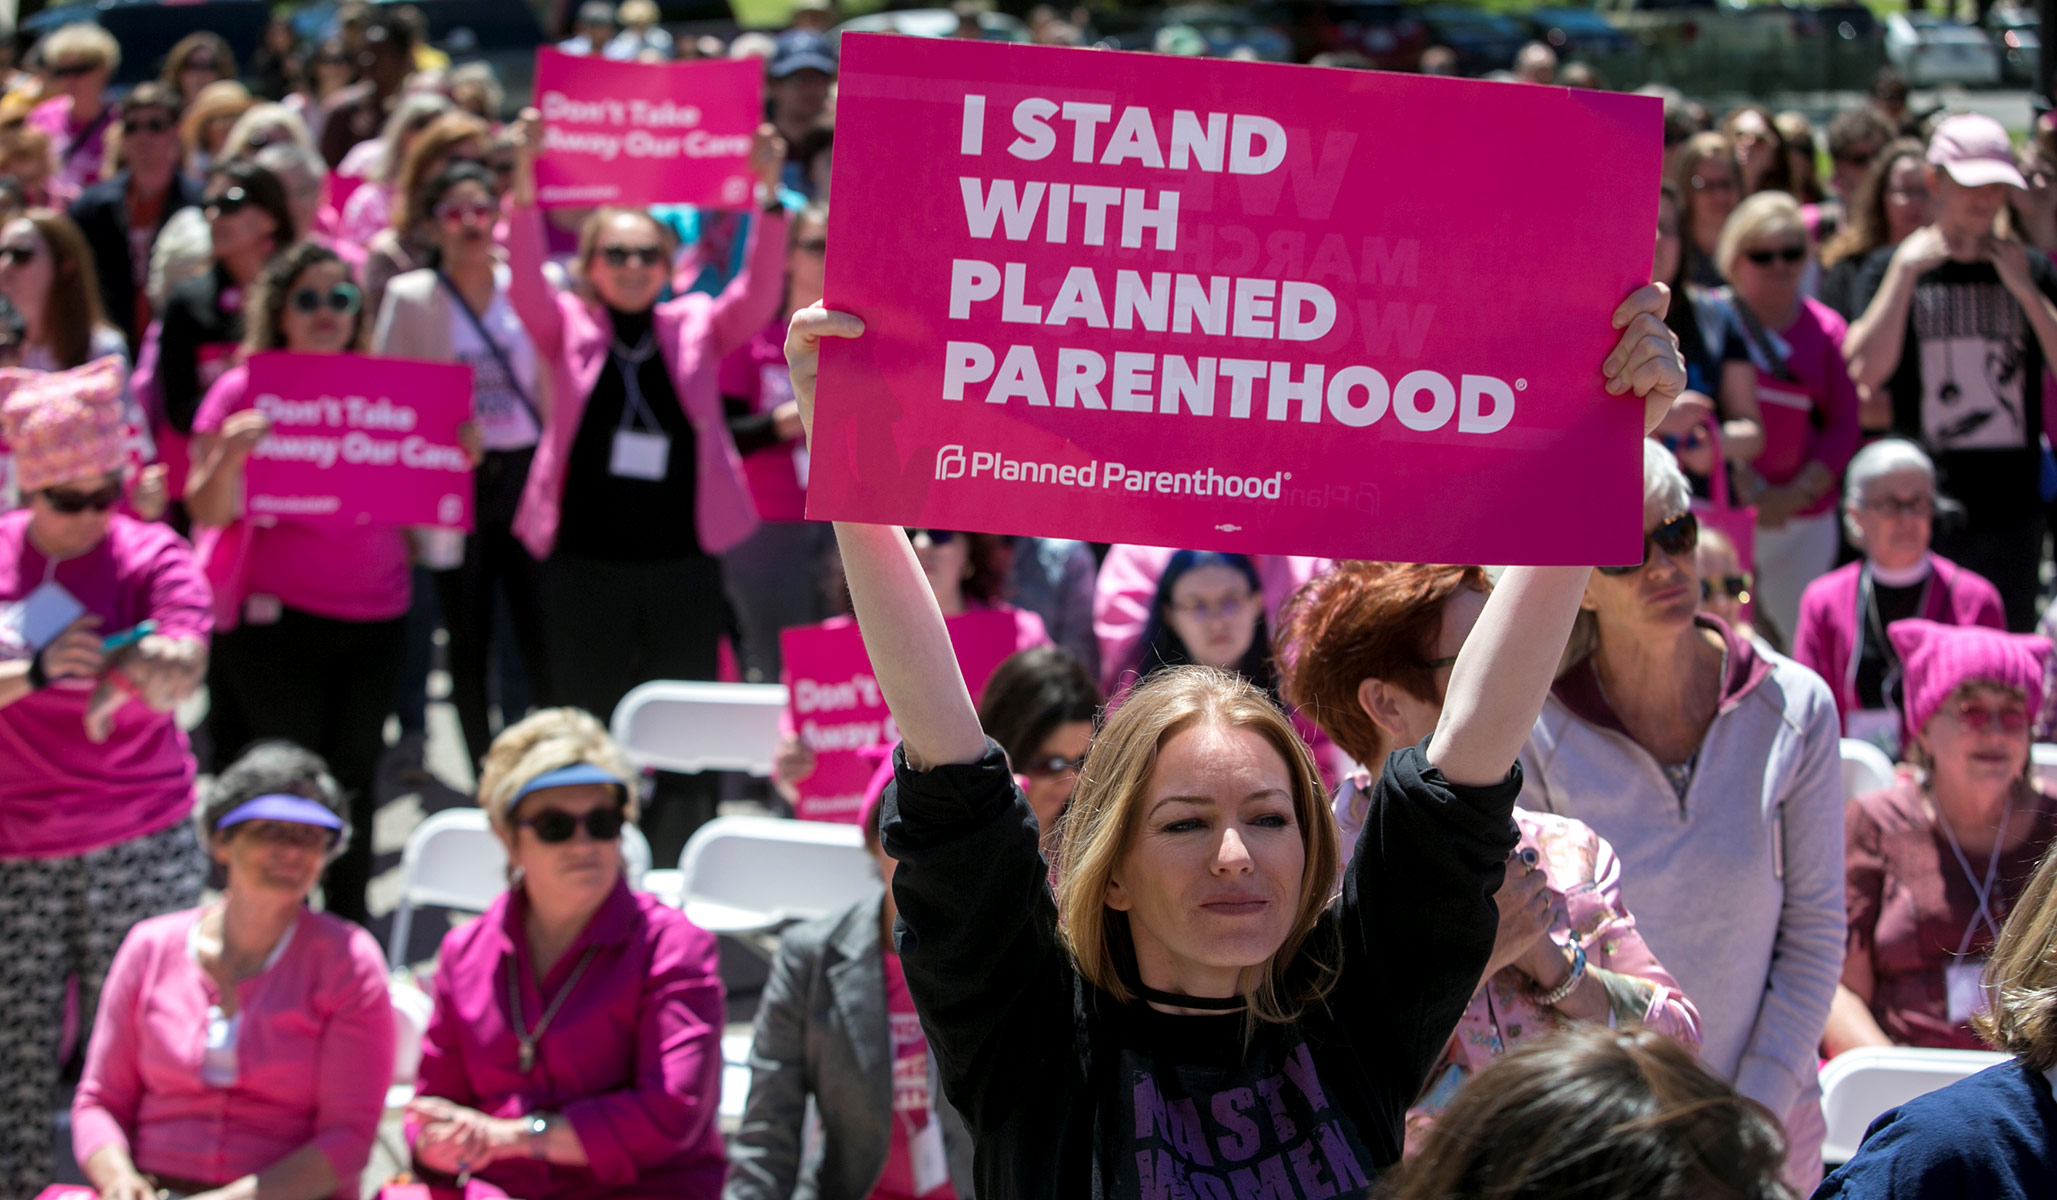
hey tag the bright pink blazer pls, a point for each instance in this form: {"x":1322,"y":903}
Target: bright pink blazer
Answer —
{"x":1827,"y":637}
{"x":694,"y":333}
{"x":632,"y":1059}
{"x":314,"y":1056}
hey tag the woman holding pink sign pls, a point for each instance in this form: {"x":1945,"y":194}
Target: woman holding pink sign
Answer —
{"x":1196,"y":981}
{"x":310,"y":614}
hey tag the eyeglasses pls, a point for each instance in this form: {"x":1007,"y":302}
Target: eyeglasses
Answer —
{"x":554,"y":826}
{"x":1227,"y":608}
{"x":465,"y":214}
{"x":1902,"y":506}
{"x":642,"y":256}
{"x":1437,"y":664}
{"x":1908,"y":195}
{"x":936,"y":537}
{"x":1977,"y":718}
{"x":1693,"y":439}
{"x":1702,"y":183}
{"x":73,"y":70}
{"x":1785,"y":254}
{"x":1056,"y":764}
{"x":17,"y":256}
{"x":135,"y":128}
{"x":1677,"y":537}
{"x":814,"y":245}
{"x":71,"y":504}
{"x":234,"y":200}
{"x":341,"y":299}
{"x":1735,"y":587}
{"x":290,"y":833}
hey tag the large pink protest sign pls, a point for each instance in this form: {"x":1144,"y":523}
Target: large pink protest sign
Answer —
{"x":1232,"y":306}
{"x":357,"y":440}
{"x":646,"y":133}
{"x":836,"y":708}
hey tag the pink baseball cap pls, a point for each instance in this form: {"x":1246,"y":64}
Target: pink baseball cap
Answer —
{"x":1937,"y":659}
{"x":1975,"y":151}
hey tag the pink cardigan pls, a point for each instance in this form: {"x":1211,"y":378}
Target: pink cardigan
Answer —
{"x":694,"y":333}
{"x":314,"y":1056}
{"x":1825,"y":641}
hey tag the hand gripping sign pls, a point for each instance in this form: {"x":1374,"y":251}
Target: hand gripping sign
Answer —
{"x":357,"y":440}
{"x":639,"y":134}
{"x":1232,"y":306}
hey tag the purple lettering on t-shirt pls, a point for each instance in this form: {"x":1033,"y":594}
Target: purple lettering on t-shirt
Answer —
{"x":1242,"y":1138}
{"x":1312,"y":1183}
{"x":1186,"y":1137}
{"x":1207,"y":1187}
{"x":1266,"y":1181}
{"x":1342,"y":1161}
{"x":1158,"y":1174}
{"x":1281,"y":1124}
{"x":1300,"y":1069}
{"x":1150,"y":1109}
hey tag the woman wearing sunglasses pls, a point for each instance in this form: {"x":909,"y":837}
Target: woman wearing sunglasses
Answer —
{"x":576,"y":1045}
{"x":1714,"y":770}
{"x":1039,"y":707}
{"x":327,"y":600}
{"x":459,"y":309}
{"x":243,"y":1048}
{"x":1889,"y":510}
{"x":1725,"y":590}
{"x":196,"y":61}
{"x":1197,"y":998}
{"x":96,"y":789}
{"x":637,"y":487}
{"x":1937,"y":860}
{"x":1805,"y":398}
{"x":79,"y":59}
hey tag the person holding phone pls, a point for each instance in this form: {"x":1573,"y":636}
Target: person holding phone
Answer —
{"x":97,"y":782}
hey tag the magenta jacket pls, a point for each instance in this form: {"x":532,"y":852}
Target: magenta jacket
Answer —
{"x":1826,"y":641}
{"x":694,"y":333}
{"x":632,"y":1059}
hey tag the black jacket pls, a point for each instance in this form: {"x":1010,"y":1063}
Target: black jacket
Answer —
{"x":101,"y":213}
{"x":203,"y":320}
{"x":1070,"y":1095}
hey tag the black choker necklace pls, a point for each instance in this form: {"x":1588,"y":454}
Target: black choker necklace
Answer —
{"x":1208,"y":1003}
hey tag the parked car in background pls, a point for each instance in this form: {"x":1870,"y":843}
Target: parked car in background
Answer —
{"x":1578,"y":32}
{"x":1929,"y":50}
{"x":1388,"y":33}
{"x":1229,"y":32}
{"x":2017,"y":37}
{"x":148,"y":29}
{"x":1484,"y":41}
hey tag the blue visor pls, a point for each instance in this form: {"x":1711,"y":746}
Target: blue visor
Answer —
{"x":576,"y":773}
{"x":297,"y":810}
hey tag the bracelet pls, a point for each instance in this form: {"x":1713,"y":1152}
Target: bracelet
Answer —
{"x":38,"y":678}
{"x":1563,"y":991}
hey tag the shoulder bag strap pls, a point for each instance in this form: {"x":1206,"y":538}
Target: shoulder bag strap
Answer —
{"x":499,"y":355}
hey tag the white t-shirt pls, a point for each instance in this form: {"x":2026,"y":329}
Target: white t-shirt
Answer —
{"x":504,"y":420}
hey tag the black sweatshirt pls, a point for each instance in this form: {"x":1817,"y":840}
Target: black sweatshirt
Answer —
{"x":1071,"y":1094}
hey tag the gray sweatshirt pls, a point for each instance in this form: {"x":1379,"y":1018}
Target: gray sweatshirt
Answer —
{"x":1737,"y":887}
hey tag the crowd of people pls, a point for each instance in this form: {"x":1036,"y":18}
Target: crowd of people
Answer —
{"x":1243,"y":875}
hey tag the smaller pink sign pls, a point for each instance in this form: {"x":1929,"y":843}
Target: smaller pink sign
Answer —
{"x":638,"y":134}
{"x":837,"y":709}
{"x":357,"y":440}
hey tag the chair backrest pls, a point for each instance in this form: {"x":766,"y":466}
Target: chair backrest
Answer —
{"x":693,"y":727}
{"x":2042,"y":767}
{"x":1865,"y":768}
{"x":1858,"y":1086}
{"x":754,"y":873}
{"x":453,"y":859}
{"x":412,"y":1009}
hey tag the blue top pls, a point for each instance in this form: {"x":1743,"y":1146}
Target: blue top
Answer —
{"x":1988,"y":1137}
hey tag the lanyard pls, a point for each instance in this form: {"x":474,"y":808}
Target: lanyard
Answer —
{"x":1980,"y":890}
{"x":1875,"y":625}
{"x":636,"y":413}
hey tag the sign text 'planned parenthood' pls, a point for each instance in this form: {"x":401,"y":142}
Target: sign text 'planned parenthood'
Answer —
{"x":1322,"y":312}
{"x":646,"y":133}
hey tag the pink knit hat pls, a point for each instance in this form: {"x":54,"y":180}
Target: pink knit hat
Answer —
{"x":1938,"y":659}
{"x":65,"y":425}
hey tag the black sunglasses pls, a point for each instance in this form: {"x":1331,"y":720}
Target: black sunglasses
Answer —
{"x":135,"y":128}
{"x":622,"y":256}
{"x":1735,"y":587}
{"x":554,"y":826}
{"x":341,"y":299}
{"x":1788,"y":254}
{"x":71,"y":504}
{"x":937,"y":537}
{"x":17,"y":256}
{"x":232,"y":201}
{"x":815,"y":245}
{"x":1677,"y":537}
{"x":73,"y":70}
{"x":1056,"y":764}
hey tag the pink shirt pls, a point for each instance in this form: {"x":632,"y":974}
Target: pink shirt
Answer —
{"x":314,"y":1056}
{"x":1812,"y":416}
{"x":59,"y":793}
{"x":632,"y":1059}
{"x":79,"y":169}
{"x":757,"y":373}
{"x":913,"y":1107}
{"x":344,"y":574}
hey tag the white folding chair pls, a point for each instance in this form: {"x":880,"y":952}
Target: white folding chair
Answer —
{"x":412,"y":1009}
{"x":1865,"y":769}
{"x":2042,"y":760}
{"x":694,"y":727}
{"x":753,"y":874}
{"x":455,"y":860}
{"x":1857,"y":1086}
{"x":735,"y":1077}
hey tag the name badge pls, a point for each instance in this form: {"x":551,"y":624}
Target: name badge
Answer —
{"x":639,"y":455}
{"x":262,"y":610}
{"x":931,"y":1165}
{"x":1966,"y":985}
{"x":34,"y":621}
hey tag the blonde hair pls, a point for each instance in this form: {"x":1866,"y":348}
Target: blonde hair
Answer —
{"x":224,"y":98}
{"x":434,"y":143}
{"x":1107,"y":811}
{"x":543,"y":742}
{"x":82,"y":39}
{"x":2021,"y":975}
{"x":1766,"y":214}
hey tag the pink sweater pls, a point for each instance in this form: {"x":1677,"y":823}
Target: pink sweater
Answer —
{"x":314,"y":1056}
{"x":1826,"y":641}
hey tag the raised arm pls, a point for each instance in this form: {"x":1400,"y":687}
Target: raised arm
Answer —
{"x":1878,"y":338}
{"x":903,"y":628}
{"x":1507,"y":664}
{"x":534,"y":300}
